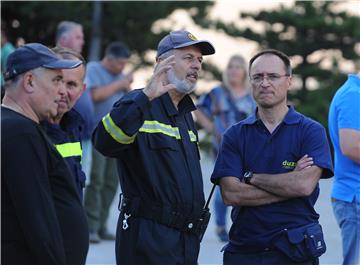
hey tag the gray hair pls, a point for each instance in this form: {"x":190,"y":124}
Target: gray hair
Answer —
{"x":164,"y":56}
{"x":15,"y":82}
{"x":64,"y":28}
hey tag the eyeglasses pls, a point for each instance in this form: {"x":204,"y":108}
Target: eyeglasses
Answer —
{"x":271,"y":78}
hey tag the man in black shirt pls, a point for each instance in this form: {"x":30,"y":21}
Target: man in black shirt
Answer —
{"x":42,"y":219}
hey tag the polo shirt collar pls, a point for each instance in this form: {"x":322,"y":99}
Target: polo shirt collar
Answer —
{"x":185,"y":105}
{"x":291,"y":117}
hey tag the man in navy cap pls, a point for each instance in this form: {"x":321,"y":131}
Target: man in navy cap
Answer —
{"x":42,"y":219}
{"x":152,"y":134}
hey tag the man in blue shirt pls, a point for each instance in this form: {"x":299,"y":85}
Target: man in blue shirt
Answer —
{"x":344,"y":128}
{"x":107,"y":84}
{"x":273,"y":195}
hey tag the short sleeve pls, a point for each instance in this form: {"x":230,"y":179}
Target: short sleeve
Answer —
{"x":349,"y":111}
{"x":229,"y":160}
{"x":204,"y":104}
{"x":92,"y":76}
{"x":316,"y":145}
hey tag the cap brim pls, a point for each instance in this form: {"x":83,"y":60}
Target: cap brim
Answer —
{"x":63,"y":64}
{"x":206,"y":47}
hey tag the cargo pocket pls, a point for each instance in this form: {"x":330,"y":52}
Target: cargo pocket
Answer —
{"x":162,"y":141}
{"x":302,"y":243}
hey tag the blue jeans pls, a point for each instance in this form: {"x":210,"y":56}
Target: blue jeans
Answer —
{"x":271,"y":257}
{"x":86,"y":160}
{"x":347,"y":215}
{"x":220,"y":208}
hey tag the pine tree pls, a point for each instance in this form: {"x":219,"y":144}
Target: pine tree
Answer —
{"x":301,"y":31}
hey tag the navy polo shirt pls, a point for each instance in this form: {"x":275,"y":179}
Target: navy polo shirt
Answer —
{"x":249,"y":146}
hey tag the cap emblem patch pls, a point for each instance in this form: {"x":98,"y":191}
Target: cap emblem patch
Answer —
{"x":192,"y":37}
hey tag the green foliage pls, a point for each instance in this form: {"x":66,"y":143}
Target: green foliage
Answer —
{"x":127,"y":21}
{"x":316,"y":103}
{"x":301,"y":31}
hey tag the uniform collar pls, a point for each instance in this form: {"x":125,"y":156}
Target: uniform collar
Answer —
{"x":185,"y":105}
{"x":71,"y":119}
{"x":291,"y":117}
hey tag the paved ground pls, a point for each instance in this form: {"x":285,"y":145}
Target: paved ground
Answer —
{"x":104,"y":253}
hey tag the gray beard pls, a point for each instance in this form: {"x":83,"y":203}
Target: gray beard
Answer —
{"x":181,"y":85}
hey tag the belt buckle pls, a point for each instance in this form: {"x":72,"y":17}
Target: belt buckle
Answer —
{"x":120,"y":201}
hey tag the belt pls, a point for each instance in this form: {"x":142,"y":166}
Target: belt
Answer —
{"x":194,"y":223}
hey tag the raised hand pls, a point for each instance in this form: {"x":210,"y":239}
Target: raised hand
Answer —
{"x":304,"y":162}
{"x":158,"y":83}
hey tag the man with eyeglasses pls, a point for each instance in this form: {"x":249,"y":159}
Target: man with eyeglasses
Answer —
{"x":268,"y":168}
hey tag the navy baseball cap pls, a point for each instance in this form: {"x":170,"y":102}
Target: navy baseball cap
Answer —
{"x":34,"y":55}
{"x":182,"y":38}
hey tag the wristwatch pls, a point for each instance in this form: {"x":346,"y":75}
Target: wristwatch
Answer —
{"x":247,"y":177}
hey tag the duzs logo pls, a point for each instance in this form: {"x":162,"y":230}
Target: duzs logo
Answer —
{"x":288,"y":164}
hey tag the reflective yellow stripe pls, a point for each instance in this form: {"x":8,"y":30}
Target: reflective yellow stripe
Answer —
{"x":148,"y":127}
{"x":69,"y":149}
{"x":116,"y":133}
{"x":192,"y":136}
{"x":157,"y":127}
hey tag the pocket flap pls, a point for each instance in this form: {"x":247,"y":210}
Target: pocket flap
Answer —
{"x":314,"y":229}
{"x":161,"y":141}
{"x":295,"y":236}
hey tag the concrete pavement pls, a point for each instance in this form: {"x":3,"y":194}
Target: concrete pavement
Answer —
{"x":104,"y":253}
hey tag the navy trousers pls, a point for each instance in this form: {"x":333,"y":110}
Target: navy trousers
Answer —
{"x":271,"y":257}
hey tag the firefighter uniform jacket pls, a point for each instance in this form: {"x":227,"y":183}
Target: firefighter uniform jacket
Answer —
{"x":66,"y":137}
{"x":156,"y":146}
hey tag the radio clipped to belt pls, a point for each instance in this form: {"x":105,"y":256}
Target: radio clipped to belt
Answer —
{"x":137,"y":207}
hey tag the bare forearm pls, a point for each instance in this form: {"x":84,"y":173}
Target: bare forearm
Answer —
{"x":353,"y":153}
{"x":350,"y":143}
{"x":204,"y":121}
{"x":102,"y":93}
{"x":289,"y":185}
{"x":236,"y":193}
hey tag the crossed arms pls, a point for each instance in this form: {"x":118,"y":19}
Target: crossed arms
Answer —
{"x":270,"y":188}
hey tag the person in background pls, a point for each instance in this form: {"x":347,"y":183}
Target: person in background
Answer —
{"x":107,"y":84}
{"x":344,"y":129}
{"x":225,"y":105}
{"x":268,"y":169}
{"x":70,"y":35}
{"x":152,"y":134}
{"x":65,"y":128}
{"x":6,"y":49}
{"x":42,"y":218}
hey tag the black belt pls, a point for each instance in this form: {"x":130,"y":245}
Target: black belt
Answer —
{"x":194,"y":223}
